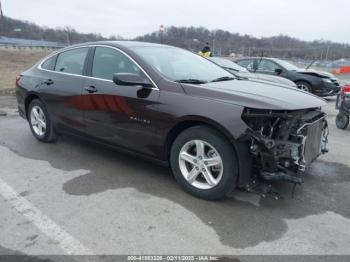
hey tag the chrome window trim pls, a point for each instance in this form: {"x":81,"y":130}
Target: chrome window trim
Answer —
{"x":90,"y":77}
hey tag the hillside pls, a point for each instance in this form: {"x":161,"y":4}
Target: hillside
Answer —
{"x":225,"y":42}
{"x":193,"y":38}
{"x":23,"y":29}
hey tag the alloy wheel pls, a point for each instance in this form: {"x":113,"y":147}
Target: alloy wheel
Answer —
{"x":200,"y":164}
{"x":303,"y":87}
{"x":38,"y":120}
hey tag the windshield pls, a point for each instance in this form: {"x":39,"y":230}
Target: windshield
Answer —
{"x":223,"y":62}
{"x":180,"y":65}
{"x":287,"y":65}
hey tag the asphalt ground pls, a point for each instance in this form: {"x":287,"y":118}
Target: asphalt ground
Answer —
{"x":77,"y":198}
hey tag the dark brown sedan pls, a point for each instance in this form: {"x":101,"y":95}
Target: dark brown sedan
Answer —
{"x":170,"y":105}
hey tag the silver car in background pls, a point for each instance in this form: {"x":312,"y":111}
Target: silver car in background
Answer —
{"x":242,"y":72}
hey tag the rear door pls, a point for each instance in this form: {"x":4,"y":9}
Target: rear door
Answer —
{"x":117,"y":114}
{"x":61,"y":87}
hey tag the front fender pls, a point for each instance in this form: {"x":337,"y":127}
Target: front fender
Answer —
{"x":176,"y":108}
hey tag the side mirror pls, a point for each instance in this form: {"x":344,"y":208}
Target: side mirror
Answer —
{"x":129,"y":79}
{"x":278,"y":71}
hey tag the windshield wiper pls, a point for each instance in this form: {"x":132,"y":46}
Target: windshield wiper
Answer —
{"x":232,"y":69}
{"x":310,"y":64}
{"x":257,"y":66}
{"x":224,"y":78}
{"x":191,"y":81}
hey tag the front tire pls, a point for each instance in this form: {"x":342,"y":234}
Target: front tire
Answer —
{"x":204,"y":163}
{"x":305,"y":86}
{"x":342,"y":121}
{"x":40,"y":122}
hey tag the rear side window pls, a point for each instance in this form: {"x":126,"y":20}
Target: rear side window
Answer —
{"x":108,"y":61}
{"x":72,"y":61}
{"x":49,"y":64}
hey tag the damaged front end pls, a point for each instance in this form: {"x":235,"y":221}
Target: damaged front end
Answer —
{"x":284,"y":143}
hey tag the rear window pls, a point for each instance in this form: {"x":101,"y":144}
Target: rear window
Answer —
{"x":49,"y":64}
{"x":72,"y":61}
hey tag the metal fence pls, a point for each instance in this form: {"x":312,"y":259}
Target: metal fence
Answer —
{"x":19,"y":43}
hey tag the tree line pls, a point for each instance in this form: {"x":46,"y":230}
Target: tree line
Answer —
{"x":23,"y":29}
{"x":225,"y":43}
{"x":193,"y":38}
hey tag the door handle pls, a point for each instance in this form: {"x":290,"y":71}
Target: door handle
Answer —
{"x":48,"y":82}
{"x":90,"y":89}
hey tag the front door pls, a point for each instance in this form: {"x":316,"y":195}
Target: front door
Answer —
{"x":268,"y":67}
{"x":117,"y":114}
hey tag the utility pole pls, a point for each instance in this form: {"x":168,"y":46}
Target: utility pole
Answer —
{"x":1,"y":13}
{"x":327,"y":52}
{"x":161,"y":32}
{"x":214,"y":40}
{"x":68,"y":30}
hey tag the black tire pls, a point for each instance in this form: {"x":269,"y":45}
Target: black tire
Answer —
{"x":304,"y":86}
{"x":342,"y":121}
{"x":228,"y":180}
{"x":49,"y":135}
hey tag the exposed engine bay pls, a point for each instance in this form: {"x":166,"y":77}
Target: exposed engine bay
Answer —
{"x":284,"y":143}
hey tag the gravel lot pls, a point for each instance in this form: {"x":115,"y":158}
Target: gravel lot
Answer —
{"x":74,"y":197}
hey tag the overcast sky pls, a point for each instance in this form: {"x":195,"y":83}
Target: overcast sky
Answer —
{"x":304,"y":19}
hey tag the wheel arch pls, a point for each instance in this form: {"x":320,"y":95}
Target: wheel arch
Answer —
{"x":188,"y":122}
{"x":29,"y":98}
{"x":241,"y":148}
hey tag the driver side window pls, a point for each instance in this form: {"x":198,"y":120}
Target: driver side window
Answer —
{"x":108,"y":61}
{"x":248,"y":64}
{"x":268,"y":66}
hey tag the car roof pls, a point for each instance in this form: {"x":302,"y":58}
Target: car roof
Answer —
{"x":258,"y":57}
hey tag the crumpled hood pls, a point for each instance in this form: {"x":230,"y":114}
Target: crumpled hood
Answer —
{"x":255,"y":95}
{"x":316,"y":73}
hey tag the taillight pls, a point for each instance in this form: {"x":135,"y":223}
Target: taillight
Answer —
{"x":346,"y":89}
{"x":17,"y":79}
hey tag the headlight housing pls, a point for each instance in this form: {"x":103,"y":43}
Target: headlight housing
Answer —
{"x":327,"y":80}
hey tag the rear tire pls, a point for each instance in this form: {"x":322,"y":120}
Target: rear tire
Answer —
{"x":204,"y":163}
{"x":342,"y":121}
{"x":305,"y":86}
{"x":40,"y":122}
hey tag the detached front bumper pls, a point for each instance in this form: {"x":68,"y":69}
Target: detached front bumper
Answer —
{"x":282,"y":149}
{"x":327,"y":89}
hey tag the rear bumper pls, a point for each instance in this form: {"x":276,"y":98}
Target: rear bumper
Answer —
{"x":343,"y":103}
{"x":22,"y":113}
{"x":20,"y":96}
